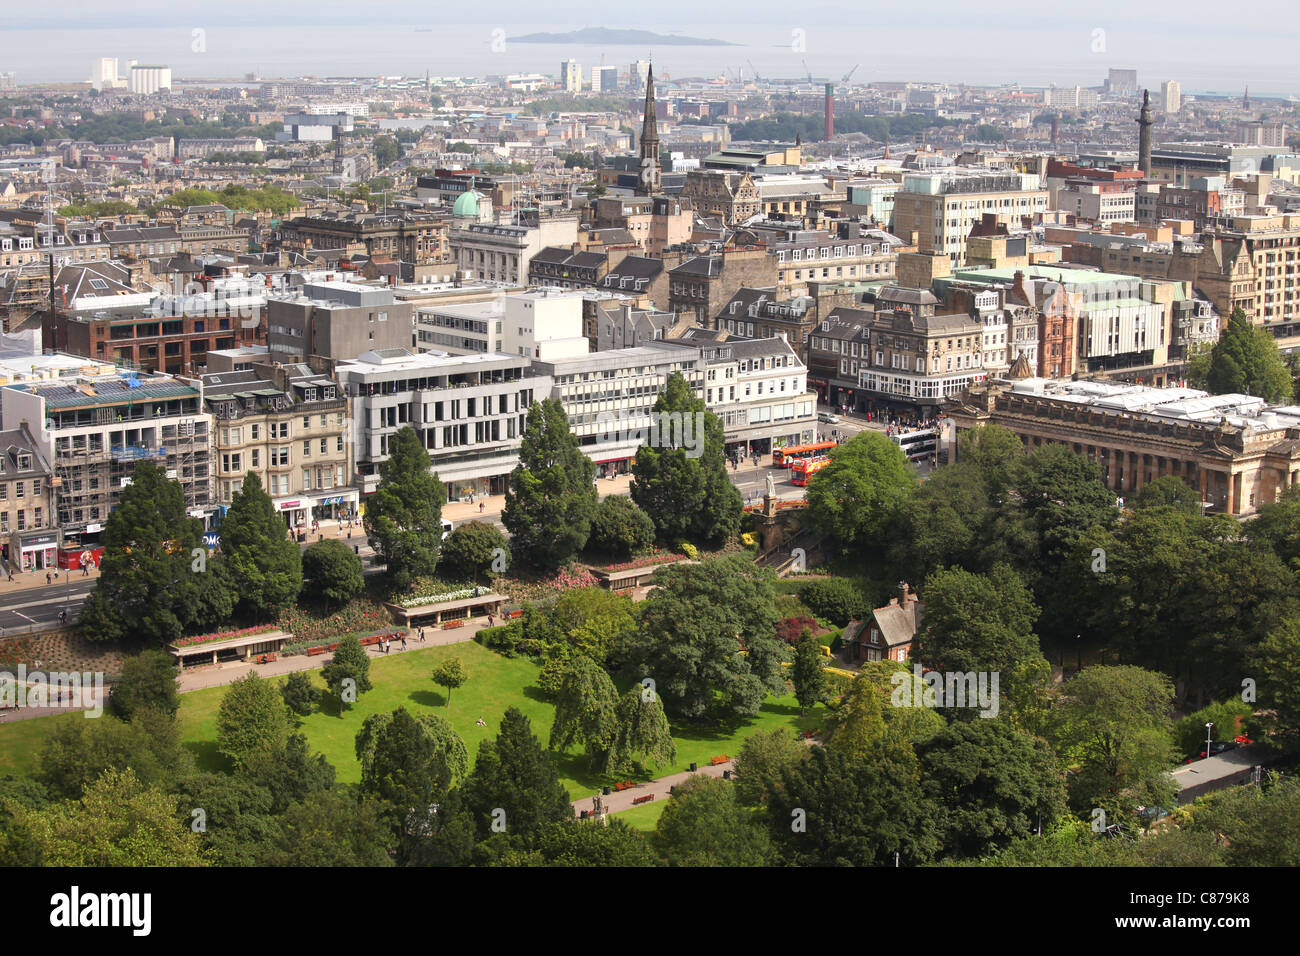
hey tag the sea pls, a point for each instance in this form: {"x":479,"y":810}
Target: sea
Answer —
{"x":1027,"y":53}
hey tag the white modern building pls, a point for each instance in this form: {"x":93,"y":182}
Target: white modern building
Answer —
{"x":147,"y":80}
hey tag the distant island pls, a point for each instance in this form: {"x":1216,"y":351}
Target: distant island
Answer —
{"x":595,"y":36}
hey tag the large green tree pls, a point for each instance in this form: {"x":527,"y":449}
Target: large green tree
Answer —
{"x":706,"y":639}
{"x":705,"y":825}
{"x":991,"y":784}
{"x":620,"y":527}
{"x":332,"y":573}
{"x":551,"y":498}
{"x":252,"y":720}
{"x":516,"y":776}
{"x":404,"y":516}
{"x":1113,"y":724}
{"x":350,"y":663}
{"x":681,"y":480}
{"x":1246,"y":359}
{"x":471,"y":550}
{"x":148,"y":680}
{"x":809,"y":672}
{"x":265,"y":566}
{"x":155,"y":573}
{"x":856,"y":496}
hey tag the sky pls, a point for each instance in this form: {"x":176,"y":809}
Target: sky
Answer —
{"x":1198,"y":42}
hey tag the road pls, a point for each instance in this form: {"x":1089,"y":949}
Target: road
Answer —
{"x":25,"y":604}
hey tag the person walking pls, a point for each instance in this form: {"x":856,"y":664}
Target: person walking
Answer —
{"x":421,"y":635}
{"x":481,"y":506}
{"x":403,"y":640}
{"x":47,"y":577}
{"x":490,"y":624}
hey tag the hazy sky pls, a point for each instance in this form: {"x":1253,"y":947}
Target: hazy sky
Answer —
{"x":1202,"y":43}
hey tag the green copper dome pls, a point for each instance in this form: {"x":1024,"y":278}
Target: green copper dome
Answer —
{"x":466,"y":204}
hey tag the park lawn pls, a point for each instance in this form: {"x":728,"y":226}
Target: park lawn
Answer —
{"x":493,"y":683}
{"x":645,"y":817}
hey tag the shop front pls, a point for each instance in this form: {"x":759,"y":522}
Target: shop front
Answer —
{"x":335,"y":507}
{"x":35,"y":551}
{"x":613,"y":467}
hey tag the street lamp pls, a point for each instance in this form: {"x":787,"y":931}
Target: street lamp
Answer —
{"x":1208,"y":738}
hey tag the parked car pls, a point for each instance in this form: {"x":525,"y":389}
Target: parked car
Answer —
{"x":827,"y":418}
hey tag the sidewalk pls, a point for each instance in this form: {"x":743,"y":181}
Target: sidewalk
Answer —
{"x":618,"y":801}
{"x":26,"y":580}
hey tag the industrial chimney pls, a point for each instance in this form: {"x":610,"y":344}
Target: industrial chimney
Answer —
{"x":830,"y":111}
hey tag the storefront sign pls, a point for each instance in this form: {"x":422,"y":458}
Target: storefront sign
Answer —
{"x":289,"y":505}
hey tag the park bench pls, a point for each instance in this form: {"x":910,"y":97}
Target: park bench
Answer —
{"x":625,"y":785}
{"x":646,"y":799}
{"x":721,"y":758}
{"x":313,"y":651}
{"x":267,"y":658}
{"x":448,"y":625}
{"x":515,"y":613}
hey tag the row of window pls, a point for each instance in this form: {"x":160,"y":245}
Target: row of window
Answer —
{"x":38,"y":520}
{"x":20,"y":488}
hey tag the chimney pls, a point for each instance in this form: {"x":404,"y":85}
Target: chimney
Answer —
{"x":905,"y":595}
{"x":1018,"y":285}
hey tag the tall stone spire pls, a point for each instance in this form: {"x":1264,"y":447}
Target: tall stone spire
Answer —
{"x":650,"y":182}
{"x":1145,"y":122}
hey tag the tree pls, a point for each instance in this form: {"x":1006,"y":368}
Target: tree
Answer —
{"x":620,"y":527}
{"x":350,"y":663}
{"x":693,"y":628}
{"x":705,"y":825}
{"x":1167,"y":491}
{"x":410,"y":763}
{"x":119,"y":822}
{"x":252,"y":720}
{"x":762,"y":762}
{"x":299,"y":693}
{"x":551,"y":497}
{"x":332,"y":829}
{"x":515,"y":776}
{"x":1277,"y":527}
{"x":586,"y":712}
{"x":643,"y":732}
{"x":945,"y":523}
{"x":977,"y":622}
{"x":149,"y":591}
{"x":1277,"y":661}
{"x":1113,"y":722}
{"x":853,"y":812}
{"x":449,"y":674}
{"x":992,"y":784}
{"x":404,"y":516}
{"x":854,"y":498}
{"x":332,"y":573}
{"x":588,"y":843}
{"x":78,"y":752}
{"x":993,"y":450}
{"x":1259,"y":825}
{"x":838,"y":600}
{"x":1190,"y":732}
{"x":471,"y":550}
{"x":856,"y":724}
{"x":808,"y":674}
{"x":587,"y":620}
{"x":1246,"y":359}
{"x":291,"y":773}
{"x":264,"y":565}
{"x":386,"y":150}
{"x":680,"y":476}
{"x":238,"y":821}
{"x":148,"y":680}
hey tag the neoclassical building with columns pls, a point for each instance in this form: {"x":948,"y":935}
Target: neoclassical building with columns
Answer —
{"x":1237,"y":451}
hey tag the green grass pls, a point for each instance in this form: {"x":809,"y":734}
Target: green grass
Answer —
{"x":402,"y":680}
{"x":644,"y":817}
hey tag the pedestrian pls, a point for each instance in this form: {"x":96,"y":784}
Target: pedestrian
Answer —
{"x":480,"y":507}
{"x":385,"y":645}
{"x":85,"y":568}
{"x":490,"y":624}
{"x":47,"y":577}
{"x":421,"y":635}
{"x":403,"y":640}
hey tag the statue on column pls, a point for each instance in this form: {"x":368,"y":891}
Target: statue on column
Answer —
{"x":771,"y":490}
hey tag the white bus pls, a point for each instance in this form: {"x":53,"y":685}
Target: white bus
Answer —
{"x":918,"y":444}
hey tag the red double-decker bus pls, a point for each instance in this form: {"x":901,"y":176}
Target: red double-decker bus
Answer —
{"x":783,"y":457}
{"x":804,"y":468}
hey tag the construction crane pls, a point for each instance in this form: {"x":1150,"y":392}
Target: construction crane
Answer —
{"x":757,"y":78}
{"x":845,"y":77}
{"x":808,"y":71}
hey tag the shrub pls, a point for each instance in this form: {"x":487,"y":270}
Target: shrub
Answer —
{"x":621,"y":527}
{"x":504,"y":638}
{"x":471,"y":549}
{"x":332,"y":573}
{"x":690,"y":550}
{"x":791,"y":628}
{"x":299,"y":694}
{"x":838,"y":600}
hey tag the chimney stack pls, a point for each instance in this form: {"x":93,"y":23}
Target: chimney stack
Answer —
{"x":904,"y":594}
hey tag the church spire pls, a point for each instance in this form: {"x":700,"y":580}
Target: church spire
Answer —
{"x":650,"y":173}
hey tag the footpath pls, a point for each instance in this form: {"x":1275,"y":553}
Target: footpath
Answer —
{"x":619,"y":800}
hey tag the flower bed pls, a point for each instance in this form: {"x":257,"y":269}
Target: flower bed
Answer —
{"x":437,"y":598}
{"x":365,"y":637}
{"x":360,"y":616}
{"x":224,"y":635}
{"x":569,"y":579}
{"x":644,"y":562}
